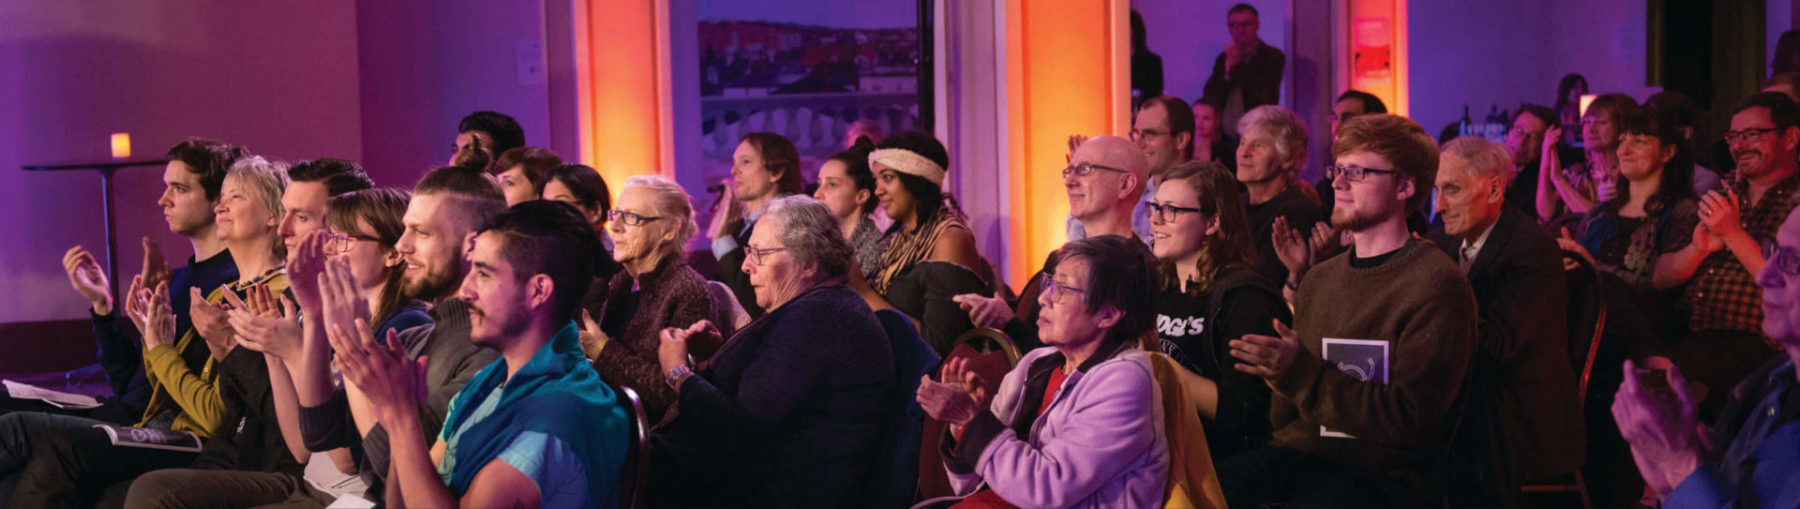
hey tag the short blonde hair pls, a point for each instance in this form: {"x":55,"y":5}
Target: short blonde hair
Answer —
{"x":265,"y":180}
{"x":672,"y":202}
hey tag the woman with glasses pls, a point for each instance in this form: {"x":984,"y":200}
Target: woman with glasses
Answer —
{"x":790,"y":412}
{"x":931,"y":253}
{"x":1581,"y":185}
{"x":364,"y":226}
{"x":581,"y":186}
{"x":1079,"y":422}
{"x":1652,"y":213}
{"x":655,"y":289}
{"x":1211,"y":294}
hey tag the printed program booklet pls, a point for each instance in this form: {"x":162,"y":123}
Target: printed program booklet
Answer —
{"x":152,"y":438}
{"x":1366,"y":359}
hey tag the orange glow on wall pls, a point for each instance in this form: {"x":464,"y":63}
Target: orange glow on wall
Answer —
{"x":121,"y":145}
{"x":1067,"y":72}
{"x":1375,"y":51}
{"x":622,"y":66}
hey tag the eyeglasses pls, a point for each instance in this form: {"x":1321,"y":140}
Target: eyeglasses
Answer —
{"x":629,"y":218}
{"x":1147,"y":133}
{"x":1782,"y":257}
{"x":756,"y":255}
{"x":1084,"y":169}
{"x":1353,"y":173}
{"x":1166,"y":212}
{"x":1048,"y":286}
{"x":1747,"y":135}
{"x":340,"y":243}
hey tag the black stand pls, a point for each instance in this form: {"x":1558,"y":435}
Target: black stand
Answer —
{"x":106,"y":169}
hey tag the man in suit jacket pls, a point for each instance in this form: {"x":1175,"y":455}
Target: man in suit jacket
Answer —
{"x":1521,"y":291}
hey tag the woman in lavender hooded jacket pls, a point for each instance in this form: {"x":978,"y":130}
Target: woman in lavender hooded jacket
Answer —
{"x":1077,"y":423}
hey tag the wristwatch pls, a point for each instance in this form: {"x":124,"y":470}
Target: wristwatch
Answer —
{"x":675,"y":374}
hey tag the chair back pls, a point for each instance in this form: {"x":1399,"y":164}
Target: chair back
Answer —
{"x":1193,"y":481}
{"x":991,"y":355}
{"x":1587,"y":319}
{"x":728,"y":314}
{"x":634,"y":476}
{"x":895,"y":474}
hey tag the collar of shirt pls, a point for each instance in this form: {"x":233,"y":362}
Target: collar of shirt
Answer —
{"x":1471,"y":249}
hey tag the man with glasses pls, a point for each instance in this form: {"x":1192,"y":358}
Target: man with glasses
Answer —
{"x":1721,"y":299}
{"x":1525,"y":141}
{"x":1164,"y":130}
{"x":1750,"y":461}
{"x":1105,"y":184}
{"x":1365,"y":384}
{"x":1248,"y":73}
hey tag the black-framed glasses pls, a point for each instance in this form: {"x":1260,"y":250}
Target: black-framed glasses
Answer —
{"x":1353,"y":173}
{"x":1148,"y":133}
{"x":1747,"y":135}
{"x":1084,"y":169}
{"x":340,"y":243}
{"x":1049,"y":286}
{"x":1782,"y":257}
{"x":756,"y":255}
{"x":629,"y":218}
{"x":1166,"y":211}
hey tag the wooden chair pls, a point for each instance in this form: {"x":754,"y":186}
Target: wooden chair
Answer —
{"x":1587,"y":324}
{"x":634,"y":475}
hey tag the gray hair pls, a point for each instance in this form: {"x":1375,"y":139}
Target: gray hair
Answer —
{"x":1285,"y":125}
{"x":810,"y":234}
{"x":672,"y":203}
{"x":264,"y":180}
{"x":1486,"y":158}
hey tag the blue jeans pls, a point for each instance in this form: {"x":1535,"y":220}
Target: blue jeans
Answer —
{"x":18,"y":428}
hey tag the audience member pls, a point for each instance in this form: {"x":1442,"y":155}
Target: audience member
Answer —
{"x":1104,"y":179}
{"x":1349,"y":104}
{"x":1248,"y":73}
{"x":209,"y":389}
{"x":521,"y":172}
{"x":1077,"y":423}
{"x":495,"y":132}
{"x":865,"y":128}
{"x":931,"y":250}
{"x":764,"y":167}
{"x":581,"y":186}
{"x":1568,"y":108}
{"x":1526,"y":141}
{"x":1341,"y":438}
{"x":535,"y":428}
{"x":447,"y":206}
{"x":1579,"y":186}
{"x":1164,"y":130}
{"x":1269,"y":160}
{"x":1787,"y":83}
{"x":1744,"y":459}
{"x":1521,"y":297}
{"x":1720,"y":299}
{"x":1211,"y":142}
{"x":1211,"y":293}
{"x":1651,"y":214}
{"x":1146,"y":65}
{"x":191,"y":184}
{"x":310,"y":185}
{"x":1681,"y":113}
{"x":847,"y":186}
{"x":656,"y":290}
{"x":789,"y":412}
{"x":1787,"y":53}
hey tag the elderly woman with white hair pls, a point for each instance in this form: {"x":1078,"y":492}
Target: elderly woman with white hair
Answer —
{"x":651,"y":222}
{"x":789,"y":412}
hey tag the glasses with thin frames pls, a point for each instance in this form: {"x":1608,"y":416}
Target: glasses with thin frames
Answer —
{"x":1049,"y":286}
{"x":1147,"y":133}
{"x":339,"y":243}
{"x":1084,"y":169}
{"x":756,"y":255}
{"x":629,"y":218}
{"x":1353,"y":173}
{"x":1747,"y":135}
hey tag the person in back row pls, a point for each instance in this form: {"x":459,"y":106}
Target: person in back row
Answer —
{"x":1365,"y":383}
{"x":536,"y":428}
{"x":765,"y":166}
{"x":1269,"y":158}
{"x":931,"y":253}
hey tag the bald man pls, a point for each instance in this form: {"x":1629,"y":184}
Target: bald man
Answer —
{"x":1104,"y":181}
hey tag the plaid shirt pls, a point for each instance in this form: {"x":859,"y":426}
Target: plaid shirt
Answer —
{"x":1723,"y":294}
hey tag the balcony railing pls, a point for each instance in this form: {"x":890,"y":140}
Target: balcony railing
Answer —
{"x":815,"y":122}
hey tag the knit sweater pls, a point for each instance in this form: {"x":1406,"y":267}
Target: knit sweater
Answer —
{"x":672,"y":295}
{"x":1421,"y":305}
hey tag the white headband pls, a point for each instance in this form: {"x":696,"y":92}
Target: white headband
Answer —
{"x":908,"y":162}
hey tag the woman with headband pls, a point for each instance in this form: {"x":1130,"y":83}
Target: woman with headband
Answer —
{"x":931,"y":250}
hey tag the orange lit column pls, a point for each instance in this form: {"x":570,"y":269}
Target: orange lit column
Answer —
{"x":1373,"y":53}
{"x":623,"y":88}
{"x":1068,"y":71}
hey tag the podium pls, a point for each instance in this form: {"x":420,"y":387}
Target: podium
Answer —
{"x":106,"y":169}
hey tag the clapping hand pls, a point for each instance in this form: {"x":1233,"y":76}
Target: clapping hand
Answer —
{"x":1266,"y":356}
{"x":211,"y":322}
{"x":265,"y":326}
{"x":1291,"y":247}
{"x":673,"y":350}
{"x":984,"y":311}
{"x":1720,"y":214}
{"x":727,"y":212}
{"x":150,"y":311}
{"x":1568,"y":243}
{"x":1662,"y":432}
{"x":304,"y":269}
{"x":958,"y":398}
{"x":593,"y":340}
{"x":88,"y":279}
{"x":388,"y":380}
{"x":341,"y":299}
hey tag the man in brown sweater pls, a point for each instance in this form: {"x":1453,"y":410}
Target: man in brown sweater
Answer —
{"x":1366,"y":384}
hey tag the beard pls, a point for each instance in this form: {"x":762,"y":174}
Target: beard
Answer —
{"x":1348,"y":220}
{"x":496,"y":328}
{"x":432,"y":285}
